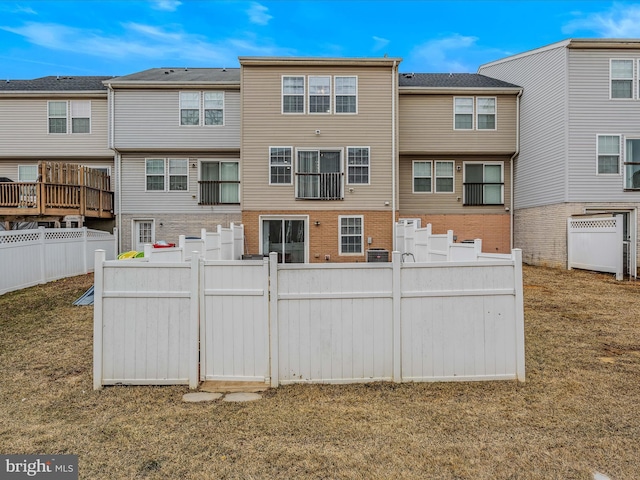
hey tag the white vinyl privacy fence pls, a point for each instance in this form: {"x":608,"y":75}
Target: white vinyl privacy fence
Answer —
{"x":596,"y":243}
{"x":32,"y":257}
{"x":287,"y":323}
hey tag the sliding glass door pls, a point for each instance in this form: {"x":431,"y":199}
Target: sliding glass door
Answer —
{"x":286,"y":237}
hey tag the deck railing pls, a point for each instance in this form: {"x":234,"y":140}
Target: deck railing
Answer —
{"x":61,"y":189}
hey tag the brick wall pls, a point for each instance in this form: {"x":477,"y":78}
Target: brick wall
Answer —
{"x":323,"y":238}
{"x":493,"y":229}
{"x":541,"y":232}
{"x":170,"y":226}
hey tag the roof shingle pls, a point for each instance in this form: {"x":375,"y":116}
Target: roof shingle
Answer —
{"x":55,"y":84}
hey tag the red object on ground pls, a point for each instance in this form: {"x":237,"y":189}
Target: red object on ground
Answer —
{"x":163,"y":245}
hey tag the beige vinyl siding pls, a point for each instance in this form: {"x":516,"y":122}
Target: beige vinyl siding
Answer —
{"x":540,"y":169}
{"x":592,"y":112}
{"x":136,"y":200}
{"x":426,"y":125}
{"x":150,"y":120}
{"x":264,"y":125}
{"x":447,"y":203}
{"x":24,"y":130}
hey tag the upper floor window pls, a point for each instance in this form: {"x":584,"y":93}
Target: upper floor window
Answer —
{"x":320,"y":94}
{"x":219,"y":183}
{"x":73,"y":116}
{"x":197,"y":105}
{"x":292,"y":94}
{"x":480,"y":109}
{"x":346,"y":94}
{"x":463,"y":113}
{"x":621,"y":78}
{"x":608,"y":154}
{"x":351,"y":235}
{"x":280,"y":165}
{"x":486,"y":113}
{"x":319,"y":174}
{"x":358,"y":165}
{"x":632,"y":164}
{"x":483,"y":184}
{"x":156,"y":174}
{"x":424,"y":173}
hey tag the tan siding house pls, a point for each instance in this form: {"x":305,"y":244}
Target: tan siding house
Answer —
{"x":458,"y":135}
{"x":319,"y":156}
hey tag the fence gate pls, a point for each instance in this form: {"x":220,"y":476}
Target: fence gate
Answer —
{"x":234,"y":327}
{"x":596,"y":243}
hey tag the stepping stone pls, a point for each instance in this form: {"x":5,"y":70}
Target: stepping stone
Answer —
{"x":200,"y":397}
{"x":241,"y":397}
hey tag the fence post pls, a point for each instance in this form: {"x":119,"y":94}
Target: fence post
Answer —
{"x":397,"y":319}
{"x":85,"y":250}
{"x":449,"y":243}
{"x":98,"y":291}
{"x":194,"y":340}
{"x":274,"y":349}
{"x":477,"y":247}
{"x":115,"y":243}
{"x":43,"y":255}
{"x":569,"y":245}
{"x":516,"y":256}
{"x":619,"y":248}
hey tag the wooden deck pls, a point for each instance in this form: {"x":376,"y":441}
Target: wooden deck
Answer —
{"x":62,"y":189}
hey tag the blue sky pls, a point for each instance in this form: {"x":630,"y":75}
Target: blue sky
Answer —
{"x":91,"y":37}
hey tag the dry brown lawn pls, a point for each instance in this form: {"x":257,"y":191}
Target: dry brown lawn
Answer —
{"x":578,"y":413}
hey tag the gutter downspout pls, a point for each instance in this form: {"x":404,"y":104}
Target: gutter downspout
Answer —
{"x":394,"y":78}
{"x":118,"y":164}
{"x":513,"y":157}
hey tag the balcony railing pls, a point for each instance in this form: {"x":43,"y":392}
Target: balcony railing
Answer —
{"x":476,"y":194}
{"x":219,"y":192}
{"x":319,"y":186}
{"x":61,"y":189}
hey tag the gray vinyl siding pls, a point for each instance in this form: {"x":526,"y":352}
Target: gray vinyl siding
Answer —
{"x":136,"y":200}
{"x":24,"y":130}
{"x":592,"y":113}
{"x":264,"y":126}
{"x":426,"y":125}
{"x":150,"y":120}
{"x":540,"y":168}
{"x":448,"y":203}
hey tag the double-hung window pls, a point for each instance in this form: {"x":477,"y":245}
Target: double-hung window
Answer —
{"x":280,"y":159}
{"x":213,"y":108}
{"x":486,"y":108}
{"x":219,"y":183}
{"x":608,"y":154}
{"x":77,"y":113}
{"x":351,"y":235}
{"x":357,"y":165}
{"x":463,"y":113}
{"x":201,"y":108}
{"x":167,"y":174}
{"x":422,"y":177}
{"x":346,"y":89}
{"x":424,"y":173}
{"x":632,"y":164}
{"x":293,"y":94}
{"x":621,"y":73}
{"x":320,"y":94}
{"x":189,"y":108}
{"x":483,"y":184}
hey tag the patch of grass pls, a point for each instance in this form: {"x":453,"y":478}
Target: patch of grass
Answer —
{"x":576,"y":414}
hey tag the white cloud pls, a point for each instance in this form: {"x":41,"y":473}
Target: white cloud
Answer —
{"x":145,"y":42}
{"x":621,"y":21}
{"x":380,"y":43}
{"x":258,"y":14}
{"x":444,"y":54}
{"x":166,"y":5}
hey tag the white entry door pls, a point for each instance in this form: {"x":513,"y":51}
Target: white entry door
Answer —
{"x":144,"y":231}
